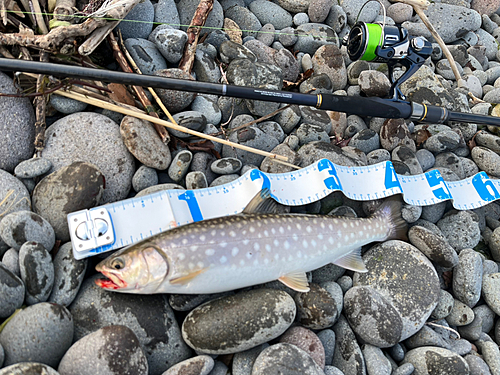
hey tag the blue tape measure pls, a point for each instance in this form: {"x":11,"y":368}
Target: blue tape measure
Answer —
{"x":119,"y":224}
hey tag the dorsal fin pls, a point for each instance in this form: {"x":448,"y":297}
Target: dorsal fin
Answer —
{"x":352,"y":261}
{"x":262,"y":203}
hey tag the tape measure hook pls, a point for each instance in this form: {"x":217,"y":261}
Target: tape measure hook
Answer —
{"x":90,"y":229}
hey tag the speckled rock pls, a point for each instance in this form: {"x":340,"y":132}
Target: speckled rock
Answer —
{"x":268,"y":12}
{"x":22,"y":226}
{"x":486,"y":160}
{"x":65,"y":145}
{"x":460,"y":315}
{"x":17,"y":119}
{"x":460,"y":229}
{"x":406,"y":274}
{"x":111,"y":350}
{"x":26,"y":337}
{"x":265,"y":320}
{"x":143,"y":142}
{"x":175,"y":101}
{"x":285,"y":358}
{"x":146,"y":55}
{"x":468,"y":277}
{"x":243,"y":361}
{"x":395,"y":132}
{"x":347,"y":356}
{"x":253,"y":137}
{"x":306,"y":340}
{"x":328,"y":59}
{"x":490,"y":291}
{"x":12,"y":292}
{"x":144,"y":177}
{"x":435,"y":247}
{"x":11,"y":261}
{"x":31,"y":368}
{"x":95,"y":308}
{"x":68,"y":276}
{"x":15,"y":196}
{"x":32,"y":168}
{"x":433,"y":360}
{"x":199,"y":365}
{"x":196,"y":180}
{"x":316,"y":309}
{"x":180,"y":165}
{"x":170,"y":42}
{"x":444,"y":306}
{"x":226,"y":166}
{"x":72,"y":188}
{"x":187,"y":9}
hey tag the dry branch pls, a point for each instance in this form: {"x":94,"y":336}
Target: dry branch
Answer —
{"x":198,"y":21}
{"x":64,"y":10}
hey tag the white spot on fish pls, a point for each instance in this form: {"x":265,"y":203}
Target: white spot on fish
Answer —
{"x":246,"y":242}
{"x":232,"y":233}
{"x":353,"y":235}
{"x":331,"y":240}
{"x":266,"y":233}
{"x":295,"y":237}
{"x":313,"y":243}
{"x":320,"y":236}
{"x":266,"y":261}
{"x":213,"y":233}
{"x":288,"y":227}
{"x":235,"y":251}
{"x":181,"y":256}
{"x":299,"y":255}
{"x":377,"y":225}
{"x":222,"y":233}
{"x":315,"y":221}
{"x":305,"y":244}
{"x":276,"y":256}
{"x":249,"y":255}
{"x":276,"y":243}
{"x":268,"y":248}
{"x":256,"y":262}
{"x":360,"y":233}
{"x":352,"y":224}
{"x":242,"y":262}
{"x":370,"y":227}
{"x":193,"y":248}
{"x":346,"y":238}
{"x":210,"y":252}
{"x":282,"y":230}
{"x":191,"y":265}
{"x":256,"y":246}
{"x":286,"y":245}
{"x":308,"y":229}
{"x":251,"y":229}
{"x":259,"y":224}
{"x":185,"y":241}
{"x":330,"y":226}
{"x":344,"y":225}
{"x":335,"y":221}
{"x":200,"y":264}
{"x":273,"y":231}
{"x":299,"y":226}
{"x":202,"y":238}
{"x":322,"y":225}
{"x":223,"y":259}
{"x":223,"y":244}
{"x":339,"y":233}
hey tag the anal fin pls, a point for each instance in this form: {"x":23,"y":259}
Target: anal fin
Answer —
{"x":262,"y":203}
{"x":187,"y":278}
{"x":352,"y":261}
{"x":296,"y":280}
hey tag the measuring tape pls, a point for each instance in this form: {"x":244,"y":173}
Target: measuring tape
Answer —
{"x":119,"y":224}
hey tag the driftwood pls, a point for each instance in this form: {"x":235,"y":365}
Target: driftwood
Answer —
{"x":122,"y":61}
{"x":56,"y":37}
{"x":198,"y":21}
{"x":64,"y":10}
{"x":40,"y":108}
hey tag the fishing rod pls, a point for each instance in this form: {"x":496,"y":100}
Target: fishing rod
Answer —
{"x":366,"y":41}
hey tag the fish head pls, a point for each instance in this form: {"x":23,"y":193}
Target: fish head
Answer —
{"x":140,"y":268}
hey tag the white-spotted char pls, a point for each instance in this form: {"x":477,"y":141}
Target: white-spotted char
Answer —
{"x":247,"y":249}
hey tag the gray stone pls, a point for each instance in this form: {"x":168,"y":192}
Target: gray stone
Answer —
{"x":156,"y":188}
{"x":315,"y":151}
{"x":245,"y":19}
{"x":95,"y":308}
{"x":180,"y":165}
{"x":205,"y":68}
{"x":461,"y":346}
{"x":146,"y":55}
{"x":219,"y":369}
{"x":309,"y":133}
{"x":268,"y":12}
{"x":374,"y":83}
{"x":66,"y":105}
{"x":378,"y":156}
{"x":316,"y":309}
{"x":252,"y":137}
{"x":460,"y":229}
{"x":429,"y":359}
{"x":196,"y":180}
{"x":65,"y":145}
{"x":451,"y":161}
{"x":175,"y":101}
{"x":12,"y":292}
{"x":215,"y":19}
{"x":477,"y":365}
{"x":32,"y":368}
{"x":10,"y":261}
{"x":32,"y":168}
{"x":272,"y":129}
{"x":267,"y":319}
{"x":318,"y":10}
{"x":487,"y":317}
{"x":144,"y":177}
{"x":425,"y":158}
{"x":395,"y":132}
{"x":192,"y":120}
{"x":366,"y":140}
{"x":140,"y":23}
{"x":285,"y":358}
{"x":208,"y":107}
{"x":37,"y":272}
{"x":328,"y":59}
{"x":348,"y":356}
{"x":486,"y":160}
{"x":433,"y":246}
{"x":460,"y":315}
{"x":473,"y":330}
{"x":470,"y":168}
{"x":170,"y":42}
{"x":408,"y":272}
{"x":491,"y":291}
{"x":345,"y":283}
{"x":71,"y":188}
{"x":199,"y":365}
{"x":406,"y":369}
{"x":243,"y":361}
{"x":407,"y":156}
{"x":468,"y":277}
{"x":110,"y":350}
{"x":287,"y":36}
{"x":306,"y":340}
{"x":491,"y":355}
{"x":327,"y":338}
{"x":426,"y":337}
{"x":226,"y":166}
{"x":166,"y":13}
{"x":337,"y":18}
{"x":311,"y":36}
{"x":68,"y":276}
{"x":488,"y":140}
{"x":21,"y":226}
{"x":376,"y":362}
{"x":28,"y":335}
{"x":411,"y":213}
{"x":17,"y":129}
{"x":444,"y":306}
{"x":353,"y":10}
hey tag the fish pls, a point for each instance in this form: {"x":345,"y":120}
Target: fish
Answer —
{"x":254,"y":247}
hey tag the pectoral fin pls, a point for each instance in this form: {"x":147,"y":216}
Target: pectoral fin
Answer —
{"x":352,"y":261}
{"x":262,"y":203}
{"x":296,"y":280}
{"x":182,"y":280}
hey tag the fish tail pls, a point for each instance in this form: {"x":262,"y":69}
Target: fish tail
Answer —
{"x":390,"y":212}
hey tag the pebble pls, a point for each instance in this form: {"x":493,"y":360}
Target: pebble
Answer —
{"x":146,"y":55}
{"x":200,"y":365}
{"x":460,"y":230}
{"x":468,"y":277}
{"x":224,"y":179}
{"x":226,"y":166}
{"x":208,"y":107}
{"x":180,"y":165}
{"x":74,"y":187}
{"x":486,"y":160}
{"x":32,"y":368}
{"x":460,"y":315}
{"x":473,"y":330}
{"x":426,"y":358}
{"x":196,"y":180}
{"x":174,"y":101}
{"x":18,"y":129}
{"x":491,"y":291}
{"x":68,"y":276}
{"x":395,"y":132}
{"x":12,"y":292}
{"x":22,"y":226}
{"x":327,"y":338}
{"x":376,"y":362}
{"x":306,"y":340}
{"x":426,"y":337}
{"x":267,"y":12}
{"x":487,"y":317}
{"x":14,"y":195}
{"x":11,"y":261}
{"x":444,"y":306}
{"x":366,"y":140}
{"x":166,"y":13}
{"x":246,"y":20}
{"x":26,"y":337}
{"x":144,"y":177}
{"x":243,"y":361}
{"x":311,"y":36}
{"x":170,"y":42}
{"x":287,"y":359}
{"x":215,"y":19}
{"x":31,"y":168}
{"x":37,"y":272}
{"x":477,"y":365}
{"x":265,"y":320}
{"x":348,"y":356}
{"x":491,"y":355}
{"x":205,"y":69}
{"x":64,"y":146}
{"x":192,"y":120}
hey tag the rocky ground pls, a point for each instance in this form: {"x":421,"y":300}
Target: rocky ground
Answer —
{"x":427,"y":306}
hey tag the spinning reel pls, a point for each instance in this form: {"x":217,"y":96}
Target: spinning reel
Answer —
{"x":391,"y":45}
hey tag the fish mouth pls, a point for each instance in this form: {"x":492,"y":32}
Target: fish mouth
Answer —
{"x":110,"y":281}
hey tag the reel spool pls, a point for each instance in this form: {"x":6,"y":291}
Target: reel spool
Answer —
{"x":383,"y":43}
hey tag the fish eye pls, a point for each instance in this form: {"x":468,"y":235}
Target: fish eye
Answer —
{"x":117,"y":264}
